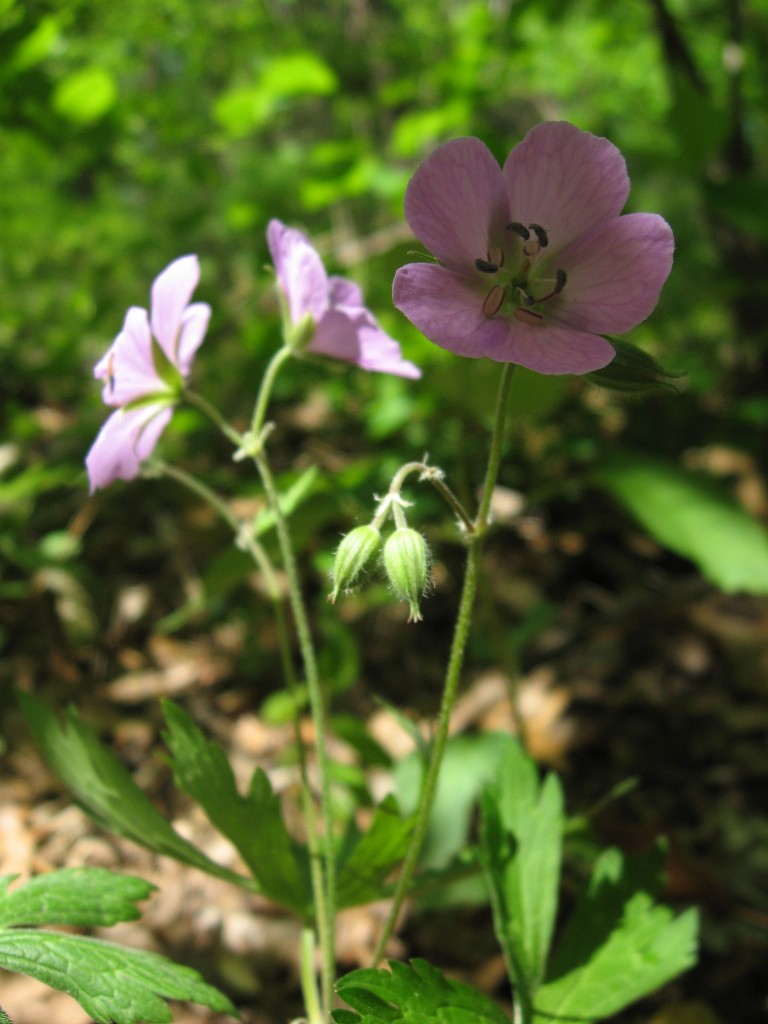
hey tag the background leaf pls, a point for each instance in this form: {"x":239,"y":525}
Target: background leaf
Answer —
{"x":695,"y":517}
{"x":369,"y":858}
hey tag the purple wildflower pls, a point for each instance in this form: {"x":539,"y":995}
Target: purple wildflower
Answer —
{"x":342,"y":327}
{"x":144,"y":372}
{"x":534,"y":261}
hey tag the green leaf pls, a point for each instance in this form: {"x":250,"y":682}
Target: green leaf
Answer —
{"x":88,"y":897}
{"x":102,"y":786}
{"x":113,"y":985}
{"x":4,"y":1018}
{"x":521,"y":849}
{"x":416,"y":994}
{"x":254,"y":824}
{"x":618,"y":945}
{"x":469,"y":765}
{"x":693,"y":516}
{"x":368,"y":859}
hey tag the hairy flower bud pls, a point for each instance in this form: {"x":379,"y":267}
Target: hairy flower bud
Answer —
{"x":353,"y":554}
{"x":406,"y":562}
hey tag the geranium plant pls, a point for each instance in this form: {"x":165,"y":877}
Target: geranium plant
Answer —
{"x":534,"y":265}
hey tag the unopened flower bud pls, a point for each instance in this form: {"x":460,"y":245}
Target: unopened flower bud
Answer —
{"x":406,"y":562}
{"x":353,"y":554}
{"x":632,"y":369}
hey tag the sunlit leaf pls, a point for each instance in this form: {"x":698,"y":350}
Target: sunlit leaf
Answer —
{"x":415,"y":994}
{"x":695,"y":517}
{"x":253,"y":823}
{"x":75,"y":896}
{"x":618,"y":945}
{"x":520,"y":849}
{"x":98,"y":780}
{"x":114,"y":985}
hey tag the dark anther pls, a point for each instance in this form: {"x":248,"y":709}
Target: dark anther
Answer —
{"x":541,"y":234}
{"x":519,"y":229}
{"x":561,"y":279}
{"x":486,"y":267}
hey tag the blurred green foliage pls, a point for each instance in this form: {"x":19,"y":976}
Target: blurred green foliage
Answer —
{"x":132,"y":136}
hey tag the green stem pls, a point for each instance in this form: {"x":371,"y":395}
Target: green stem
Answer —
{"x":307,"y":975}
{"x":213,"y":414}
{"x":325,"y":898}
{"x":429,"y":474}
{"x":265,"y":388}
{"x":455,"y":663}
{"x":260,"y":557}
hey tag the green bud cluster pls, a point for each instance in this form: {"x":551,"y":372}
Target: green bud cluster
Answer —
{"x":352,"y":556}
{"x":406,"y":563}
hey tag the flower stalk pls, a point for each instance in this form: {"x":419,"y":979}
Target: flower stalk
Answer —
{"x":454,"y":667}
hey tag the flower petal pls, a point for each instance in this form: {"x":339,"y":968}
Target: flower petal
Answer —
{"x":342,"y":292}
{"x":194,"y":324}
{"x":552,"y":348}
{"x":615,"y":273}
{"x":171,"y":292}
{"x":449,"y":312}
{"x":446,"y":308}
{"x":354,"y":336}
{"x":566,"y":180}
{"x":455,"y":203}
{"x":127,"y":438}
{"x":300,"y":272}
{"x":127,"y":369}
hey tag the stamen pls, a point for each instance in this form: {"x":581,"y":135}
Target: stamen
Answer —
{"x":496,"y":255}
{"x":519,"y":229}
{"x":486,"y":266}
{"x":528,"y":317}
{"x":541,"y":234}
{"x":560,"y":281}
{"x":493,"y":301}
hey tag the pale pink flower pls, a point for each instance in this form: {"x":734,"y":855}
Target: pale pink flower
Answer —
{"x":534,"y":260}
{"x":341,"y":325}
{"x":144,"y":372}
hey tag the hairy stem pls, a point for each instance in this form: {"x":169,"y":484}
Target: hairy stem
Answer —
{"x":325,"y":896}
{"x":455,"y":663}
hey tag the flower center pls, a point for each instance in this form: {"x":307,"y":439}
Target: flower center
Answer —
{"x":521,"y":285}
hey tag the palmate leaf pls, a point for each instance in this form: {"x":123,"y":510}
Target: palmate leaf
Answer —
{"x":416,"y":994}
{"x":253,"y":823}
{"x":368,"y":859}
{"x":102,"y":786}
{"x":89,"y":897}
{"x":520,"y":850}
{"x":618,"y":945}
{"x":111,"y":983}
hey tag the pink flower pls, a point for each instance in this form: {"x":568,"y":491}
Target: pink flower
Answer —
{"x":341,"y":326}
{"x":144,"y":372}
{"x":534,"y":261}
